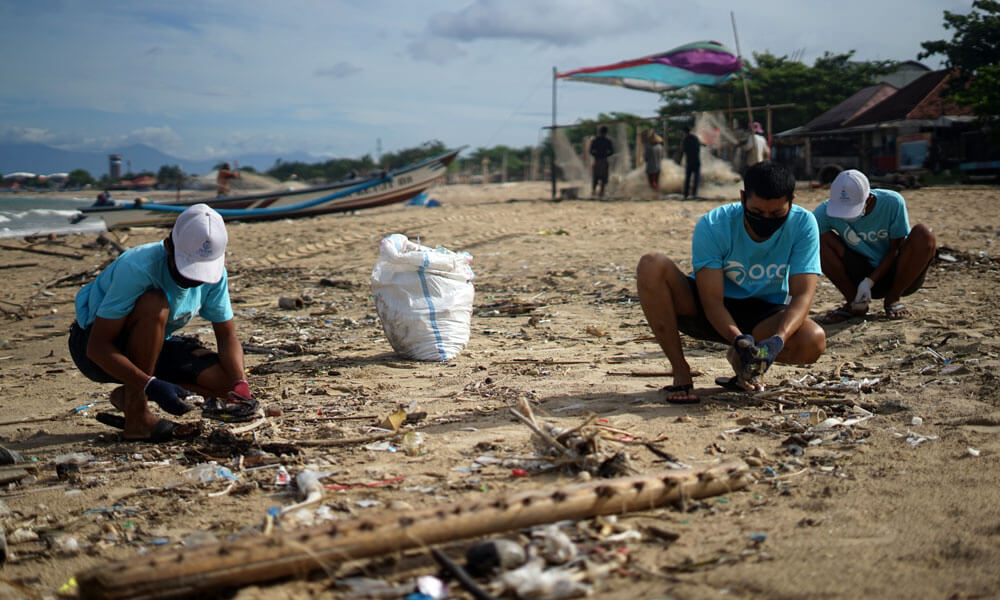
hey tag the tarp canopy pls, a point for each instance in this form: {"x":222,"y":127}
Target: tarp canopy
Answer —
{"x":698,"y":63}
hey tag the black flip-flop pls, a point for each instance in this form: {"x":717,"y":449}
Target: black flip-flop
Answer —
{"x":235,"y":409}
{"x":164,"y":430}
{"x":729,"y":383}
{"x":674,"y":389}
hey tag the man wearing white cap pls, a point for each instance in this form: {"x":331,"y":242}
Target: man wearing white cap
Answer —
{"x":868,"y":249}
{"x":126,"y":318}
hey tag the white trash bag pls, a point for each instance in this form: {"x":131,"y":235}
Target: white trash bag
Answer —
{"x":424,"y":298}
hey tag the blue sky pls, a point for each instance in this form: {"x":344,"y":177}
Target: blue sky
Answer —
{"x":210,"y":79}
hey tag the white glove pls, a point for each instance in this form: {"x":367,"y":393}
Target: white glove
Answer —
{"x":864,"y":294}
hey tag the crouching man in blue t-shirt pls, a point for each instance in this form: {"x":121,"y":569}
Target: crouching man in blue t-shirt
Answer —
{"x":868,"y":249}
{"x":755,"y":265}
{"x":126,"y":317}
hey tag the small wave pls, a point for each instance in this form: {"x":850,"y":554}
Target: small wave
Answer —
{"x":4,"y":219}
{"x":84,"y":227}
{"x":52,"y":212}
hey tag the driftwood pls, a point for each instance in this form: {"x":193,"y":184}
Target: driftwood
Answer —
{"x":201,"y":570}
{"x":75,"y":255}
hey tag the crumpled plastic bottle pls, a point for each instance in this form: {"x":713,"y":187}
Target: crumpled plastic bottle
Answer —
{"x":206,"y":472}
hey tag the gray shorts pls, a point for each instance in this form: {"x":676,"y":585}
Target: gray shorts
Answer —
{"x":182,"y":359}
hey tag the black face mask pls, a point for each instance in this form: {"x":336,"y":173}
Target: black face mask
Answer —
{"x":763,"y":226}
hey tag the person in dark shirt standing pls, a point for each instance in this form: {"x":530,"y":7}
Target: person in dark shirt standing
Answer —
{"x":601,"y":149}
{"x":692,"y":162}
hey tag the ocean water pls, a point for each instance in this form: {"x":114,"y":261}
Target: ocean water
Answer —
{"x":22,"y":215}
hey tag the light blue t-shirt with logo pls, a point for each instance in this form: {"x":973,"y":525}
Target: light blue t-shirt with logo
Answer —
{"x":756,"y":269}
{"x":869,"y":235}
{"x":138,"y":270}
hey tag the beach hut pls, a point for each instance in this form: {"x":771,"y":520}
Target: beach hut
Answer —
{"x":881,"y":130}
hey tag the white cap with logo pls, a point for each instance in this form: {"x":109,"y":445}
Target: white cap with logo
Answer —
{"x":200,"y":239}
{"x":848,"y":194}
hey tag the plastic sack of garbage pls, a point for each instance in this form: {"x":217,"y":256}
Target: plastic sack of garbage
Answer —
{"x":424,"y":298}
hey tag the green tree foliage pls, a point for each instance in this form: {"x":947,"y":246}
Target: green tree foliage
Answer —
{"x":782,"y":80}
{"x":395,"y":160}
{"x":974,"y":52}
{"x":79,"y":178}
{"x":170,"y":176}
{"x":340,"y":168}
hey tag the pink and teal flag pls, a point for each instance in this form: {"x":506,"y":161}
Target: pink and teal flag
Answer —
{"x":698,"y":63}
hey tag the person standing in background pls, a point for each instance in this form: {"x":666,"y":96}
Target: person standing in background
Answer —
{"x":601,"y":149}
{"x":756,"y":147}
{"x":691,"y":146}
{"x":653,"y":155}
{"x":222,"y":180}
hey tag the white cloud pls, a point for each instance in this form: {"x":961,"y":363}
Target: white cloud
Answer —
{"x":434,"y":50}
{"x":34,"y":135}
{"x":559,"y":22}
{"x":339,"y":70}
{"x":163,"y":138}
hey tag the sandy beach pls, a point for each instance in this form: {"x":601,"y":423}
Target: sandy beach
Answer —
{"x":899,"y":503}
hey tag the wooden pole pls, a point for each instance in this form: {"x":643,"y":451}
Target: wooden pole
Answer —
{"x":202,"y":570}
{"x":552,"y":133}
{"x":746,"y":90}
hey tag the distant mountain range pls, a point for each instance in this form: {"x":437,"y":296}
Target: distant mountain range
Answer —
{"x":42,"y":160}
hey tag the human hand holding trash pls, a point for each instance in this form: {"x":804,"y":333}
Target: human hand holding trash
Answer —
{"x":750,"y":360}
{"x":864,"y":295}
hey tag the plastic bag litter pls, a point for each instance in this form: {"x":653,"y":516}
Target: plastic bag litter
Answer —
{"x":555,"y":546}
{"x":531,"y":581}
{"x":424,"y":298}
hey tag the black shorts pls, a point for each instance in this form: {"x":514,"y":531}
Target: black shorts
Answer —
{"x":746,"y":312}
{"x":600,"y":171}
{"x":182,"y":359}
{"x":858,"y":267}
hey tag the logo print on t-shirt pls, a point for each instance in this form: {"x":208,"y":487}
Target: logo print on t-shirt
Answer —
{"x":738,"y":273}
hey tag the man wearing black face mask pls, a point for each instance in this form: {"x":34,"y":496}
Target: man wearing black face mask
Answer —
{"x":126,"y":318}
{"x":755,"y":264}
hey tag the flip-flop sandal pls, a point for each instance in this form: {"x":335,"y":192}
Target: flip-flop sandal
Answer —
{"x":164,"y":430}
{"x":235,"y":409}
{"x":896,"y":311}
{"x":677,"y":389}
{"x":840,"y":315}
{"x":729,"y":383}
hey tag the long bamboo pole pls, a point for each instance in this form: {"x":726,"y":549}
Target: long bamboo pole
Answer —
{"x":196,"y":571}
{"x":746,"y":90}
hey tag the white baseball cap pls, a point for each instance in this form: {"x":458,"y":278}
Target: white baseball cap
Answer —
{"x":200,"y":239}
{"x":848,"y":194}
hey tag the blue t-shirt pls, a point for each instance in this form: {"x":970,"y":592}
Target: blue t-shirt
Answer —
{"x":115,"y":291}
{"x":756,"y":269}
{"x":869,"y":235}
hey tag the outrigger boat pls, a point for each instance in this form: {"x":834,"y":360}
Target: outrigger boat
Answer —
{"x":381,"y":189}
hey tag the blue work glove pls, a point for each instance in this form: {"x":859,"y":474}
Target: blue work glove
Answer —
{"x":169,"y":396}
{"x":768,"y":350}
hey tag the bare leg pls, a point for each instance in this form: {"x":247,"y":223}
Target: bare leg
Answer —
{"x":915,"y":253}
{"x":145,"y":327}
{"x":831,"y":255}
{"x":664,"y":293}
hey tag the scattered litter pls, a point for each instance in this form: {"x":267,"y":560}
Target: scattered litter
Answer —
{"x":484,"y":558}
{"x":972,"y":452}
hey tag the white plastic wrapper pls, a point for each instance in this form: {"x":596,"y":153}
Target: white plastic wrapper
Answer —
{"x":424,"y":298}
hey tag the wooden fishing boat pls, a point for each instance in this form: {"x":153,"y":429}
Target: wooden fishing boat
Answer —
{"x":380,"y":189}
